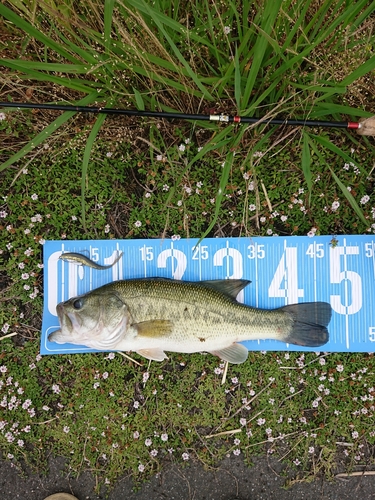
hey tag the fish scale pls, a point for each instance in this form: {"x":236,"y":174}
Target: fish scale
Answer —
{"x":154,"y":315}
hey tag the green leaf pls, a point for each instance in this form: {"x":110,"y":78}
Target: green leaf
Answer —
{"x":47,"y":132}
{"x":342,"y":186}
{"x":108,"y":11}
{"x":269,"y":15}
{"x":35,"y":33}
{"x":221,"y":191}
{"x":367,"y":67}
{"x":71,"y":83}
{"x":329,"y":145}
{"x":306,"y":163}
{"x":85,"y":163}
{"x":350,"y":198}
{"x":237,"y":81}
{"x":159,"y":20}
{"x":139,"y":100}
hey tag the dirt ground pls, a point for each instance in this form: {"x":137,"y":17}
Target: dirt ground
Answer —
{"x":232,"y":481}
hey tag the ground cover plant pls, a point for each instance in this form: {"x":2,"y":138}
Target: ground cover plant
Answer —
{"x":82,"y":177}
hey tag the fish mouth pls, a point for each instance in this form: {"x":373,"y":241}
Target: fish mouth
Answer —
{"x":65,"y":325}
{"x":55,"y":337}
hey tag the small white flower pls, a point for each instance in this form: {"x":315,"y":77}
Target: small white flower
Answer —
{"x":364,"y":199}
{"x":2,"y":116}
{"x":227,"y":30}
{"x":181,"y":147}
{"x":138,"y":223}
{"x":34,"y":197}
{"x":185,"y":456}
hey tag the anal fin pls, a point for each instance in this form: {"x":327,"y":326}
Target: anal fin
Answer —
{"x":154,"y":354}
{"x":235,"y":353}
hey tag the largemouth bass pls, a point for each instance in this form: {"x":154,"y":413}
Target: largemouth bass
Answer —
{"x":82,"y":260}
{"x":154,"y":315}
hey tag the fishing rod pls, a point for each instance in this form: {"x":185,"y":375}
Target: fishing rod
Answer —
{"x":363,"y":127}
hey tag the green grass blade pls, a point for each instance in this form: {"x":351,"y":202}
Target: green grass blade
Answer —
{"x":108,"y":12}
{"x":85,"y":163}
{"x":139,"y":100}
{"x":271,"y":10}
{"x":341,"y":185}
{"x":306,"y":163}
{"x":350,"y":198}
{"x":42,"y":66}
{"x":71,"y":83}
{"x":47,"y":132}
{"x":159,"y":21}
{"x":220,"y":141}
{"x":329,"y":145}
{"x":35,"y":33}
{"x":221,"y":191}
{"x":237,"y":80}
{"x":362,"y":70}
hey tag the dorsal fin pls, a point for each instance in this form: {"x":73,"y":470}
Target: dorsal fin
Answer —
{"x":230,"y":288}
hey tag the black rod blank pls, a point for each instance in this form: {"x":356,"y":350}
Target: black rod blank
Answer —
{"x":181,"y":116}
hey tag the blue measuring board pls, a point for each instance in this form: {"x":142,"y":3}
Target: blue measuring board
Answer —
{"x":283,"y":270}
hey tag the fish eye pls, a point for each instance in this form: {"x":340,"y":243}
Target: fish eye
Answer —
{"x":77,"y":304}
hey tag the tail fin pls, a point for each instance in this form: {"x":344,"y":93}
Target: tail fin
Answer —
{"x":310,"y":321}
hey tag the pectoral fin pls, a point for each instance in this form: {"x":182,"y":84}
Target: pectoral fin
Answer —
{"x":153,"y":354}
{"x":154,"y":328}
{"x":235,"y":353}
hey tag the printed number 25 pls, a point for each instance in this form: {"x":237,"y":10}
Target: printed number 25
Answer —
{"x":338,"y":276}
